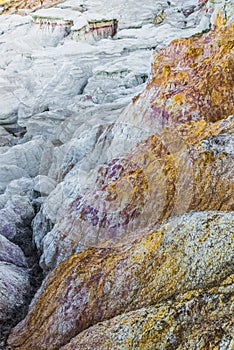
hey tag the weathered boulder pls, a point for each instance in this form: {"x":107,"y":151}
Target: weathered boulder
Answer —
{"x":197,"y":319}
{"x":11,"y":253}
{"x":22,"y":160}
{"x":14,"y":289}
{"x":192,"y":252}
{"x":17,"y":212}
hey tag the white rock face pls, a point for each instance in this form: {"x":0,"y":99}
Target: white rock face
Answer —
{"x":42,"y":70}
{"x":43,"y":185}
{"x":19,"y":161}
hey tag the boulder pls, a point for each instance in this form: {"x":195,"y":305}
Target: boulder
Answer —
{"x":185,"y":261}
{"x":11,"y":253}
{"x":14,"y":287}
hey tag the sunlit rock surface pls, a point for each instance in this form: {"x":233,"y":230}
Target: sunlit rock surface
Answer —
{"x":185,"y":261}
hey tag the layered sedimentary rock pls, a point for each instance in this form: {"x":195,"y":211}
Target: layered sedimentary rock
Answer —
{"x":182,"y":266}
{"x":68,"y":92}
{"x":186,"y":165}
{"x":161,"y":286}
{"x":77,"y":26}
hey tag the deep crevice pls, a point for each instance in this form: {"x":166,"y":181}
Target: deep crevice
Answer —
{"x":24,"y":240}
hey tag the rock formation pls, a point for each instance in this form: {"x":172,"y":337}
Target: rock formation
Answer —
{"x":182,"y":266}
{"x":187,"y":165}
{"x":118,"y":177}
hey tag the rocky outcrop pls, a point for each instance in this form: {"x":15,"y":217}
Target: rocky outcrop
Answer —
{"x":19,"y":272}
{"x":47,"y":23}
{"x":75,"y":25}
{"x":186,"y":86}
{"x":106,"y":177}
{"x":14,"y":286}
{"x":96,"y":29}
{"x":187,"y":165}
{"x":11,"y":253}
{"x":14,"y":283}
{"x":185,"y":261}
{"x":46,"y":73}
{"x":147,"y":186}
{"x":154,"y":109}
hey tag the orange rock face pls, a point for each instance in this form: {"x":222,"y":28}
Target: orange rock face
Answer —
{"x":190,"y":83}
{"x":189,"y":79}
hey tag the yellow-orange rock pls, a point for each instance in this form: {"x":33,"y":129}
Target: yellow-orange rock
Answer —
{"x":193,"y":252}
{"x":192,"y":79}
{"x":157,"y":287}
{"x":14,"y":6}
{"x":188,"y":167}
{"x":200,"y":320}
{"x":187,"y":164}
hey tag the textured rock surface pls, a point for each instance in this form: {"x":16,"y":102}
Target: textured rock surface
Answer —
{"x":189,"y":254}
{"x":186,"y":85}
{"x":15,"y":161}
{"x":61,"y":118}
{"x":16,"y":279}
{"x":18,"y":258}
{"x":11,"y":253}
{"x":189,"y":78}
{"x":186,"y":165}
{"x":160,"y":178}
{"x":196,"y":319}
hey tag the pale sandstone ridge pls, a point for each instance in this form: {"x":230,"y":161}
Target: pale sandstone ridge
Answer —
{"x":187,"y":261}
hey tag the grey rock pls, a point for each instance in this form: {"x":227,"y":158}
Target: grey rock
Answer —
{"x":14,"y":286}
{"x":11,"y":253}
